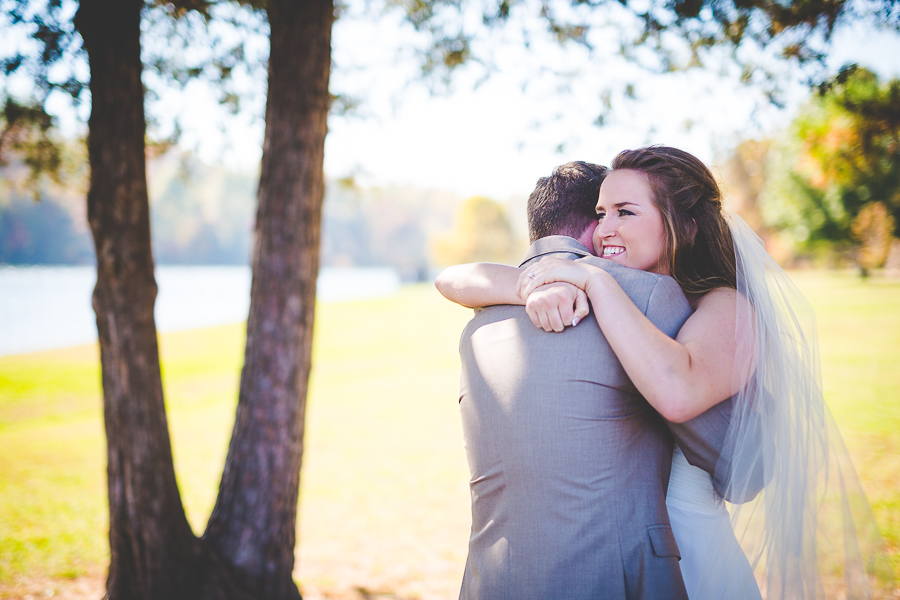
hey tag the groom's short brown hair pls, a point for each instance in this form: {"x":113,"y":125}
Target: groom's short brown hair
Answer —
{"x":565,"y":203}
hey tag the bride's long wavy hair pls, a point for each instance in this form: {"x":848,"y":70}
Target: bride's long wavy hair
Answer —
{"x":699,"y":244}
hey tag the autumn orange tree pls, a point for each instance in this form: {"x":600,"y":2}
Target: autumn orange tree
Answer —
{"x":482,"y":232}
{"x":836,"y":182}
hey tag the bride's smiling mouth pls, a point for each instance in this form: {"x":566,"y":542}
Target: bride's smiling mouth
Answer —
{"x":609,"y":251}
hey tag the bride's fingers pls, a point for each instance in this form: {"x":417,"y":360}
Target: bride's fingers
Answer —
{"x":527,"y":283}
{"x":544,"y":313}
{"x":566,"y":313}
{"x":582,"y":307}
{"x":556,"y":320}
{"x":540,"y":278}
{"x":548,"y":271}
{"x":520,"y":285}
{"x":544,"y":318}
{"x":535,"y":320}
{"x":535,"y":311}
{"x":529,"y":280}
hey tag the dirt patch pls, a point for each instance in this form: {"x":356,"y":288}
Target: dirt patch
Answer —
{"x":81,"y":588}
{"x":93,"y":587}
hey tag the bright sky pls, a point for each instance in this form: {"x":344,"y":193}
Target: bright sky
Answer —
{"x":485,"y":141}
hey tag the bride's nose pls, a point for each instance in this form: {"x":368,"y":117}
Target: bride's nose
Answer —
{"x":605,"y":229}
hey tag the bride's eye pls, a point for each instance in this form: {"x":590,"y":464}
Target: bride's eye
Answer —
{"x":600,"y":216}
{"x":624,"y":212}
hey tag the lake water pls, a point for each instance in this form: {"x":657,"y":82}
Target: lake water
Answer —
{"x":50,"y":307}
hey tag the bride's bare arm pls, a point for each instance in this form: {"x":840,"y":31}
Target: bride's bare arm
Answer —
{"x":682,"y":377}
{"x":485,"y":284}
{"x":479,"y":284}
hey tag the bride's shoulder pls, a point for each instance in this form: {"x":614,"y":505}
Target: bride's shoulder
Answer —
{"x":720,"y":299}
{"x":714,"y":297}
{"x":719,"y":294}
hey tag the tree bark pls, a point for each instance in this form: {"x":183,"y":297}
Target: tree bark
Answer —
{"x":253,"y":526}
{"x":151,"y":542}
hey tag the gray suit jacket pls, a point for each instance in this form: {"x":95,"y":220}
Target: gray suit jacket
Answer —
{"x":569,"y":464}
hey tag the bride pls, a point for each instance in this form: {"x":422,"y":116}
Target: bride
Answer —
{"x":809,"y":533}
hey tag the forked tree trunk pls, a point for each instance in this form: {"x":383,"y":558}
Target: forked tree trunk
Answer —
{"x":150,"y":540}
{"x":248,"y":549}
{"x":253,"y":526}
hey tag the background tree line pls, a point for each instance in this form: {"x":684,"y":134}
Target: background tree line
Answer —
{"x":203,"y":214}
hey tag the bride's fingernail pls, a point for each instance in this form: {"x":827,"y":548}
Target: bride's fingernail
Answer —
{"x":575,"y":321}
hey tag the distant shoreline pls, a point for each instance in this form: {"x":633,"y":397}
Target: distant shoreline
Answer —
{"x":46,"y":307}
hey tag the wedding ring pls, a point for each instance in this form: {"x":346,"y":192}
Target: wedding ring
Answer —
{"x":531,"y":276}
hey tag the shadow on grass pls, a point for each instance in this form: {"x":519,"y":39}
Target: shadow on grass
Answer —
{"x":367,"y":594}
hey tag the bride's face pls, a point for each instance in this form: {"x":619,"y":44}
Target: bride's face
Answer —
{"x":631,"y":230}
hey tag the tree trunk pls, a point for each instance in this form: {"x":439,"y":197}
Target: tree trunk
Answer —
{"x":150,"y":540}
{"x":253,"y":526}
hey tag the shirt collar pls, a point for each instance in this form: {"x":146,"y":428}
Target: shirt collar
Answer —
{"x":553,"y":244}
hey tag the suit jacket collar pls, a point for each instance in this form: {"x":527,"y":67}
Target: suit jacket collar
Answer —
{"x":554,"y":244}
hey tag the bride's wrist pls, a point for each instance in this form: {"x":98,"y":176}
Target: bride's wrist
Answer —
{"x":596,"y":282}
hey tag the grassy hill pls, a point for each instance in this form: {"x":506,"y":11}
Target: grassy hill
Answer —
{"x":384,"y":493}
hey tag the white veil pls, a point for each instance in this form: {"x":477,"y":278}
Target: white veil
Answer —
{"x":810,"y":533}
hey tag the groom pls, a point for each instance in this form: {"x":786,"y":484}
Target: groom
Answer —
{"x":569,"y":464}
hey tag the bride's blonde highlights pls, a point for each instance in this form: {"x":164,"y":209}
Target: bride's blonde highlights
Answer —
{"x":699,"y":245}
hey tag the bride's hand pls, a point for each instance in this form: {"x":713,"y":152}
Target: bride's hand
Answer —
{"x":549,"y":270}
{"x":554,"y":306}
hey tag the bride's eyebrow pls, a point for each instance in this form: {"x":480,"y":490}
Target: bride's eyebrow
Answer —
{"x":618,"y":205}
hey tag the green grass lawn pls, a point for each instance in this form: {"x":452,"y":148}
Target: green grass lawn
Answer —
{"x":859,"y":339}
{"x":384,"y":494}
